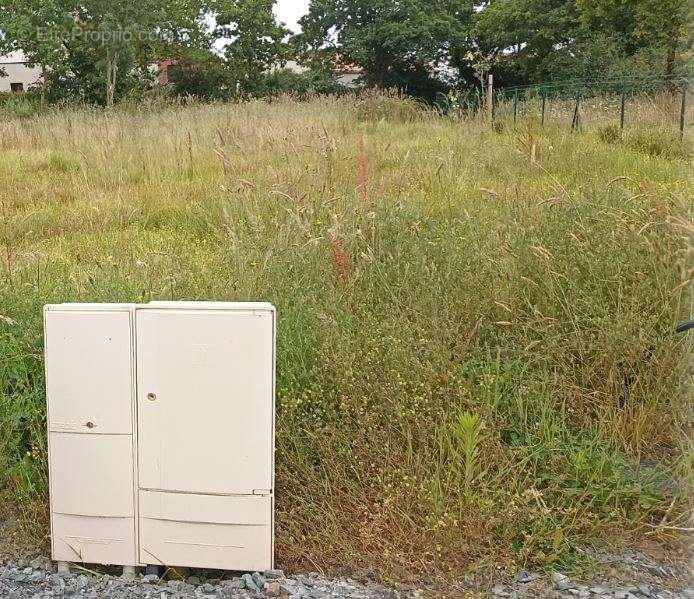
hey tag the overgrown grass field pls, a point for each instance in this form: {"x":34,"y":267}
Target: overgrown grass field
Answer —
{"x":476,"y":357}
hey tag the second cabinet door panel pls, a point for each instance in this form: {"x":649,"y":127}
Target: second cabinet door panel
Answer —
{"x":205,"y":409}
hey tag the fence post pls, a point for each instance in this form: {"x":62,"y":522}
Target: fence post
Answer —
{"x":621,"y":112}
{"x":515,"y":106}
{"x":542,"y":94}
{"x":576,"y":120}
{"x":490,"y":99}
{"x":683,"y":108}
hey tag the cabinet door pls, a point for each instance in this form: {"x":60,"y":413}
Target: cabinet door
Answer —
{"x":92,"y":475}
{"x":205,"y":400}
{"x":92,"y":498}
{"x":89,"y":371}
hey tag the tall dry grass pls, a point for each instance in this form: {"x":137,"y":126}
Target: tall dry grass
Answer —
{"x":475,"y":344}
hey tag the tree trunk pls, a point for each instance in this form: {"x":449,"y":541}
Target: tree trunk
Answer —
{"x":44,"y":85}
{"x":380,"y":76}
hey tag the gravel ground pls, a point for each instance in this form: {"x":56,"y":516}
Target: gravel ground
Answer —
{"x":38,"y":579}
{"x":631,"y":575}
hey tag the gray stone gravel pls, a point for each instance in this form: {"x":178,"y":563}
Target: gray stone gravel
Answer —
{"x":628,"y":575}
{"x":39,"y":579}
{"x":631,"y":575}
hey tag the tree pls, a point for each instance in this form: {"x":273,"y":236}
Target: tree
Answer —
{"x":392,"y":40}
{"x":525,"y":39}
{"x":256,"y":40}
{"x":537,"y":40}
{"x":202,"y":74}
{"x":90,"y":40}
{"x":638,"y":27}
{"x":36,"y":28}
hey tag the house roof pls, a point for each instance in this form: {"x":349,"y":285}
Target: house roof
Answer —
{"x":340,"y":65}
{"x":13,"y":58}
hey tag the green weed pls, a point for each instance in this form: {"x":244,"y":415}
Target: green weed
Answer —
{"x":658,"y":142}
{"x":475,"y":346}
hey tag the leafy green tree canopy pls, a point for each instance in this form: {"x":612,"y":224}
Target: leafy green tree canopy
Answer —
{"x":531,"y":41}
{"x":256,"y":39}
{"x":387,"y":38}
{"x":91,"y":41}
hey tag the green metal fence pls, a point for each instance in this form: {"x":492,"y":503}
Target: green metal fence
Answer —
{"x":580,"y":103}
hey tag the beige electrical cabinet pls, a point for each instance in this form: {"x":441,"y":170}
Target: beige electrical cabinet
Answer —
{"x":161,"y":433}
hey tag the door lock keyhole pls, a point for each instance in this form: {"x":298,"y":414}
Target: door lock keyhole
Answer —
{"x":151,"y":396}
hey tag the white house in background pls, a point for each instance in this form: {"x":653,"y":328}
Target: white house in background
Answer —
{"x":344,"y":73}
{"x":18,"y":76}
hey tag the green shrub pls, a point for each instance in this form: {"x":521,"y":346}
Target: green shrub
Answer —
{"x":60,"y":162}
{"x":302,"y":85}
{"x":202,"y":75}
{"x":610,"y":133}
{"x":391,"y":106}
{"x":658,"y":142}
{"x":24,"y":105}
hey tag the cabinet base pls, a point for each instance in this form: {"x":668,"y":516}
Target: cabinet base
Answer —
{"x":153,"y":569}
{"x":128,"y":571}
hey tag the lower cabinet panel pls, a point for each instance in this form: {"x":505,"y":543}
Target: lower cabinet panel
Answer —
{"x":92,"y":498}
{"x":206,"y":531}
{"x":94,"y":540}
{"x":92,"y":475}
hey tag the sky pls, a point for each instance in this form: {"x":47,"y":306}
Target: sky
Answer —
{"x":290,"y":11}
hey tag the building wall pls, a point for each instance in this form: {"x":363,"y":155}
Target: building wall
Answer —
{"x":348,"y":79}
{"x":290,"y":65}
{"x":17,"y":71}
{"x":162,"y":70}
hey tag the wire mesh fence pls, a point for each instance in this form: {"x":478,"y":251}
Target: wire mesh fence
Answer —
{"x":578,"y":104}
